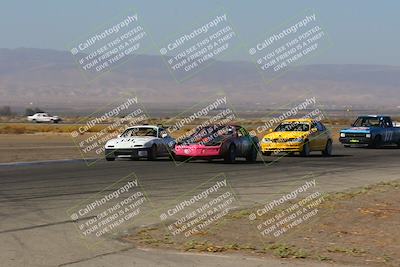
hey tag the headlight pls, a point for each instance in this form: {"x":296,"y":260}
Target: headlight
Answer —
{"x":267,"y":140}
{"x":342,"y":135}
{"x":298,"y":140}
{"x":368,"y":135}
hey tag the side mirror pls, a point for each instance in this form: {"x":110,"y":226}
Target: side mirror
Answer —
{"x":163,"y":135}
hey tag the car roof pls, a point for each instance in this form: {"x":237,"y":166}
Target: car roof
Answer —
{"x":144,"y":126}
{"x":299,"y":120}
{"x":374,"y":116}
{"x":221,"y":125}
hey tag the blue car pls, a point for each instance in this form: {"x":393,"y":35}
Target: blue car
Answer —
{"x":372,"y":131}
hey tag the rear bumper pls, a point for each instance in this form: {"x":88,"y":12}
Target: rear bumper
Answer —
{"x":197,"y":151}
{"x":125,"y":152}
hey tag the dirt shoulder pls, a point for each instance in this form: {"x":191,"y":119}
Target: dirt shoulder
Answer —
{"x":359,"y":227}
{"x":36,"y":147}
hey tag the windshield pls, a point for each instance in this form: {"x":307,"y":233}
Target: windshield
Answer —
{"x":143,"y":131}
{"x":209,"y":134}
{"x":292,"y":127}
{"x":366,"y":122}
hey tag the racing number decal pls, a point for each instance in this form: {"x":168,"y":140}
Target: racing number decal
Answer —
{"x":388,"y":136}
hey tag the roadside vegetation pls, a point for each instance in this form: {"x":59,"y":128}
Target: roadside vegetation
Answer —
{"x":353,"y":227}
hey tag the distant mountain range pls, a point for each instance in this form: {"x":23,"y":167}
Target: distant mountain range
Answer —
{"x":51,"y":78}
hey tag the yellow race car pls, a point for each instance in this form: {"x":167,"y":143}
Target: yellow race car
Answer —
{"x":297,"y":135}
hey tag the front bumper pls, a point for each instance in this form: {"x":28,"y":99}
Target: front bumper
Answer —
{"x":200,"y":151}
{"x":355,"y":140}
{"x":284,"y":147}
{"x":127,"y":152}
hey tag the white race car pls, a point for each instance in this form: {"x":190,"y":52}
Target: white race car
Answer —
{"x":43,"y":117}
{"x":142,"y":141}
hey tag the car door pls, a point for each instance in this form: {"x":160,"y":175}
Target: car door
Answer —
{"x":41,"y":118}
{"x":166,"y":142}
{"x":388,"y":131}
{"x":323,"y":135}
{"x":46,"y":117}
{"x":314,"y":137}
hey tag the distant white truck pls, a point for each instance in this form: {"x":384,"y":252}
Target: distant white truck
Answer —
{"x":43,"y":117}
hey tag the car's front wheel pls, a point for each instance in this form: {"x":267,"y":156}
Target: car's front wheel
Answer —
{"x":230,"y":155}
{"x":110,"y":158}
{"x":252,"y":155}
{"x":152,"y":153}
{"x":305,"y":152}
{"x":377,"y":143}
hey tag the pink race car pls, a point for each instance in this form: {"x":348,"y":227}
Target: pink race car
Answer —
{"x":218,"y":142}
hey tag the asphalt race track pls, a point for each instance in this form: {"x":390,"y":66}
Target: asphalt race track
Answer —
{"x":35,"y":229}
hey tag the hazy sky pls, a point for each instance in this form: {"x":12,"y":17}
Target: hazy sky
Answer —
{"x":362,"y":32}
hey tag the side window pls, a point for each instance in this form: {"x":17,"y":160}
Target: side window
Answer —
{"x":241,"y":132}
{"x":320,"y":127}
{"x":313,"y":125}
{"x":162,"y":131}
{"x":388,"y":122}
{"x":231,"y":131}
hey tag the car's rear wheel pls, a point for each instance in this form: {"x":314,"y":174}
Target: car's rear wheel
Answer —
{"x":230,"y":155}
{"x":305,"y":152}
{"x":152,"y":153}
{"x":328,"y":149}
{"x":252,"y":155}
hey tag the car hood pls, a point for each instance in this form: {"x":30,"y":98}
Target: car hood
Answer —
{"x":207,"y":140}
{"x":128,"y":142}
{"x":286,"y":135}
{"x":357,"y":130}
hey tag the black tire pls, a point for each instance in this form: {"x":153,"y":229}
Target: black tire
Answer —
{"x":110,"y":158}
{"x":152,"y":153}
{"x":347,"y":146}
{"x":230,"y":154}
{"x":305,"y":152}
{"x":378,"y":142}
{"x":34,"y":121}
{"x":172,"y":155}
{"x":252,"y":155}
{"x":328,"y":149}
{"x":267,"y":153}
